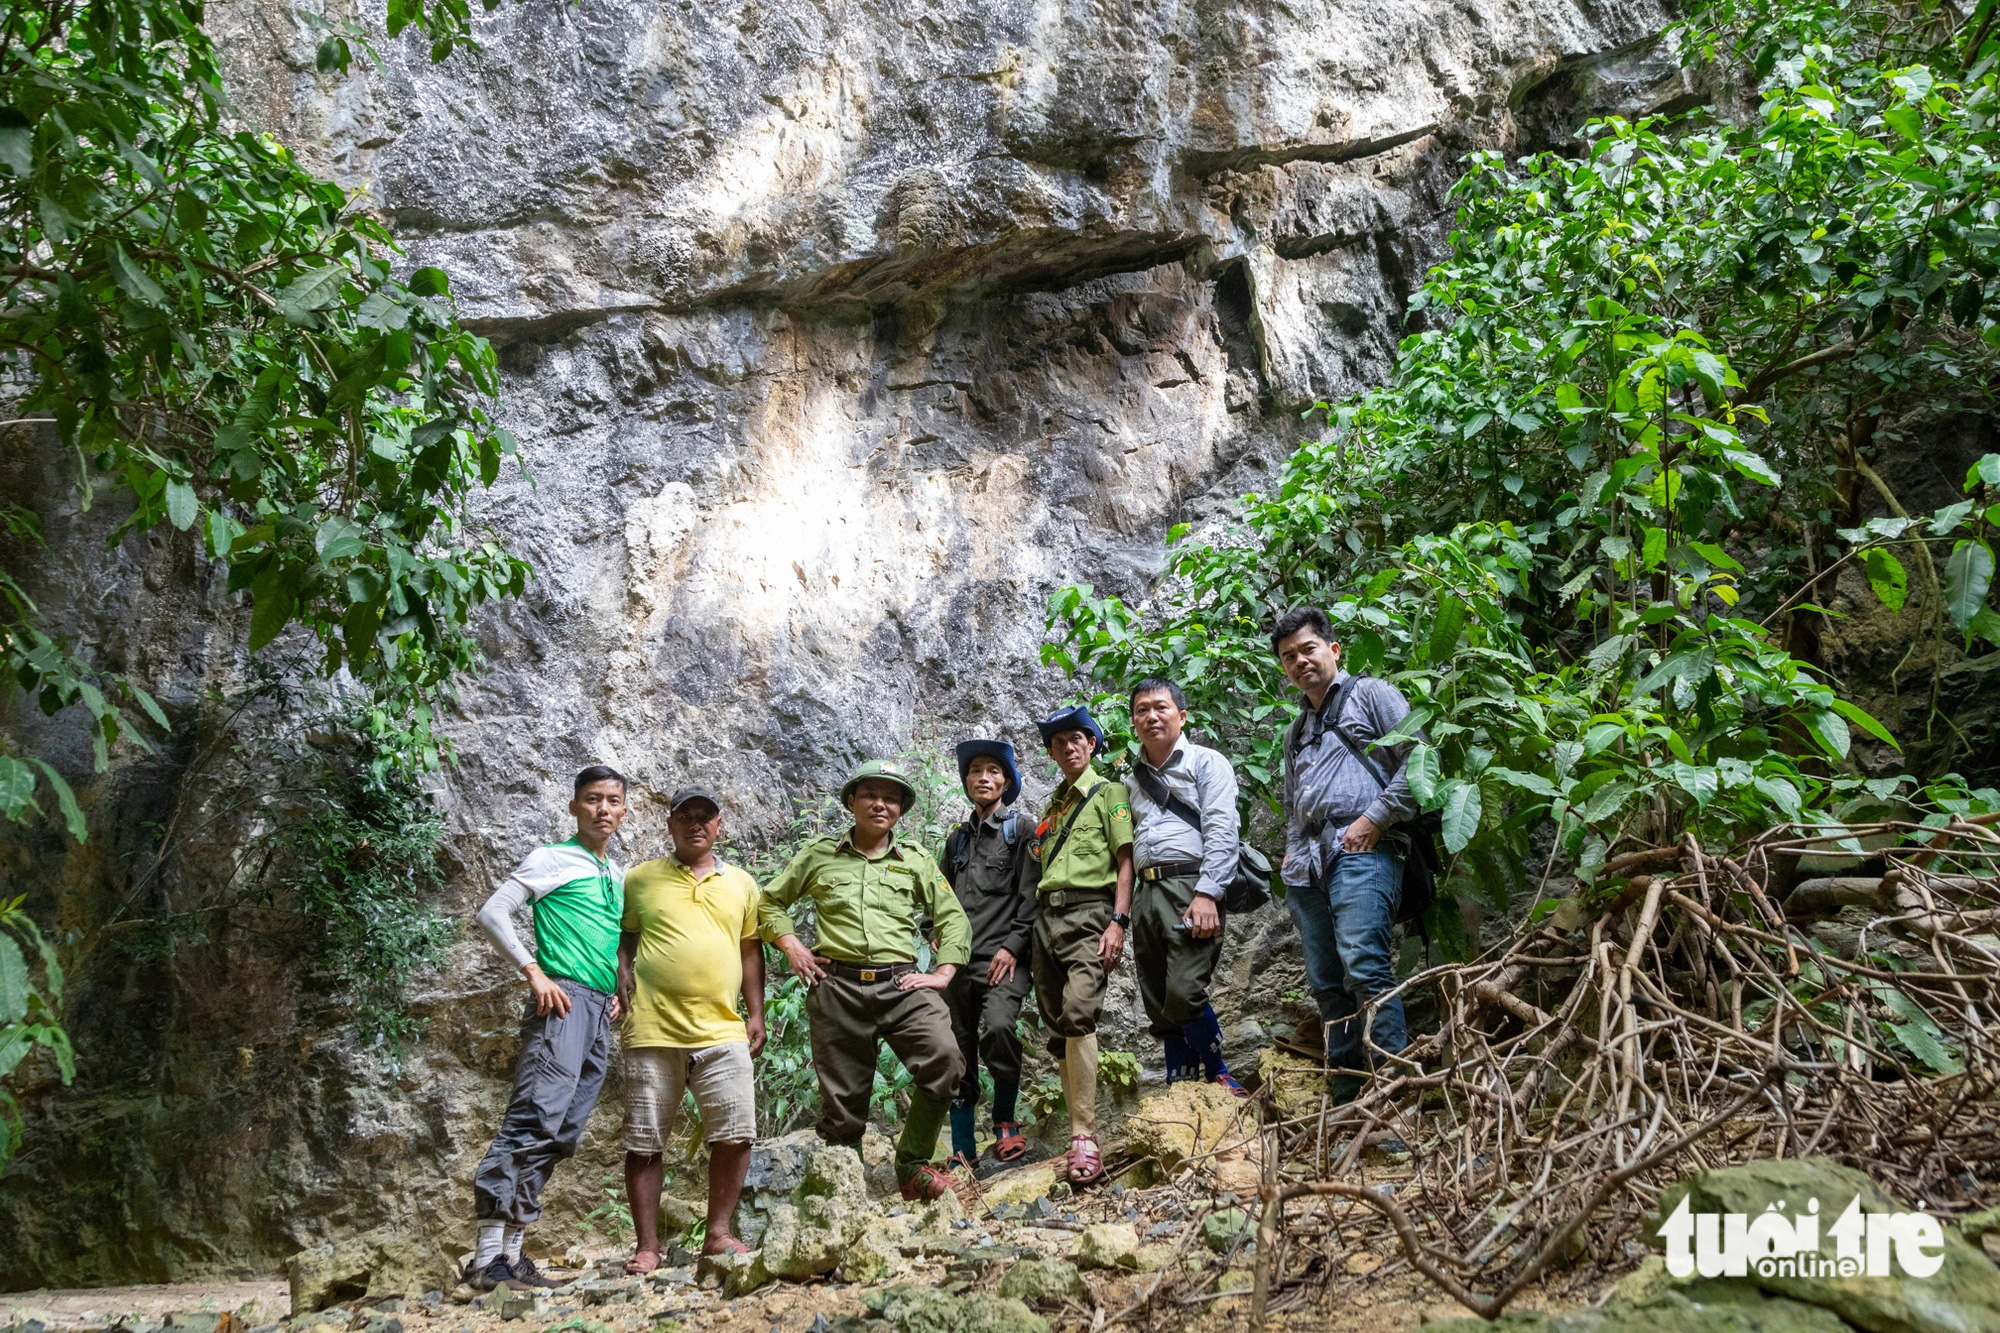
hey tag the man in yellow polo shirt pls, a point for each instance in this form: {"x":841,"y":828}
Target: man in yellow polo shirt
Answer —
{"x":689,"y":947}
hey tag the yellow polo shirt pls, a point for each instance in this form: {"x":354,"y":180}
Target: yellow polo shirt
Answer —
{"x":689,"y":963}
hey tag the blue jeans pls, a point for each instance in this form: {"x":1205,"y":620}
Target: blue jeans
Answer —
{"x":1344,"y":920}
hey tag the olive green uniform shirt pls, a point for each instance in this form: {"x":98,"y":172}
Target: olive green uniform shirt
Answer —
{"x":1088,"y":857}
{"x":868,"y":909}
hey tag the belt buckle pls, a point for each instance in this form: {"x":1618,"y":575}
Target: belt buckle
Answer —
{"x":867,"y":976}
{"x":1056,"y":898}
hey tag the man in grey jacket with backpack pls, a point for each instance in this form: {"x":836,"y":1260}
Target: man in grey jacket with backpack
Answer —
{"x":1344,"y":855}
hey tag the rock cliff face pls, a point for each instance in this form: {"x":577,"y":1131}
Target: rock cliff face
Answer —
{"x":838,"y":335}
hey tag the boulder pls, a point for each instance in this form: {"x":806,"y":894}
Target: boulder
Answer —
{"x":1221,"y":1231}
{"x":1199,"y":1120}
{"x":1022,"y":1184}
{"x":1113,"y":1245}
{"x":373,"y":1263}
{"x":876,"y":1254}
{"x":777,"y":1167}
{"x":1963,"y":1296}
{"x":912,"y":1308}
{"x":1044,"y":1282}
{"x":1294,"y":1082}
{"x":830,"y":1208}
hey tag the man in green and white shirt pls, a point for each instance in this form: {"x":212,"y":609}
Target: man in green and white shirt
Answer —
{"x":578,"y":897}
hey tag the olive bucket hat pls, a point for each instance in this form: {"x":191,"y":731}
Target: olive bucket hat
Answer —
{"x":886,"y":770}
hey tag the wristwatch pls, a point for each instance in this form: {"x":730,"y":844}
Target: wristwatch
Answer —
{"x":1121,"y":920}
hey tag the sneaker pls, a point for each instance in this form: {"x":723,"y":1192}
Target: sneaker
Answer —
{"x":526,"y":1275}
{"x":1228,"y":1081}
{"x":495,"y":1274}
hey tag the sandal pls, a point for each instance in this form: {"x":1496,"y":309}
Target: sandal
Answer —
{"x":1086,"y":1164}
{"x":1229,"y":1083}
{"x":643,"y":1261}
{"x":723,"y":1244}
{"x":1009,"y":1144}
{"x":928,"y":1183}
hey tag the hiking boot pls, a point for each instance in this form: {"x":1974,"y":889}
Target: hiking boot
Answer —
{"x":495,"y":1274}
{"x":526,"y":1275}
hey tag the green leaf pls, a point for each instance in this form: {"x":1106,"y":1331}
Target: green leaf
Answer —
{"x":13,"y":981}
{"x":182,"y":507}
{"x":1421,"y":771}
{"x":1986,"y":470}
{"x":339,"y":538}
{"x":17,"y":143}
{"x":1461,"y":814}
{"x":1694,"y":667}
{"x":65,"y":800}
{"x":1967,"y":576}
{"x":1828,"y":729}
{"x":1865,"y":720}
{"x":1921,"y":1041}
{"x":1601,"y":737}
{"x":1887,"y":577}
{"x":1450,"y":623}
{"x":1700,"y":783}
{"x":1751,"y":465}
{"x":1606,"y":801}
{"x":313,"y":290}
{"x":132,"y":280}
{"x":149,"y":704}
{"x":275,"y":595}
{"x":380,"y":311}
{"x":17,"y":787}
{"x":1906,"y":121}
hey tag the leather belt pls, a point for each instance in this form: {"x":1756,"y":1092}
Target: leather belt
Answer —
{"x":1171,"y":870}
{"x":1064,"y":897}
{"x":870,"y":971}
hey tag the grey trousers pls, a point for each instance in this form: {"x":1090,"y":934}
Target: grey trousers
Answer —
{"x":556,"y":1082}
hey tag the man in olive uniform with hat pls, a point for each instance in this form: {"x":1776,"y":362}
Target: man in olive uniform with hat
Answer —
{"x":868,"y":891}
{"x":987,"y":863}
{"x":1083,"y":847}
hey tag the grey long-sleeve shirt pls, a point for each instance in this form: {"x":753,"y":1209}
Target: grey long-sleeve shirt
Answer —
{"x":1204,"y":779}
{"x":1328,"y":787}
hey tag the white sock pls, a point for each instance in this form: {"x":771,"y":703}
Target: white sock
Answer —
{"x":491,"y":1237}
{"x":511,"y":1251}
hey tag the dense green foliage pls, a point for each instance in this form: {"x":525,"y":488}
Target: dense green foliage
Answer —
{"x":30,"y":1012}
{"x":1610,"y":464}
{"x":220,"y":341}
{"x":361,"y":862}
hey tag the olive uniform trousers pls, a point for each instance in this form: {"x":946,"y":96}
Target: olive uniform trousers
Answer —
{"x":849,"y":1016}
{"x":1069,"y":976}
{"x":1174,"y":967}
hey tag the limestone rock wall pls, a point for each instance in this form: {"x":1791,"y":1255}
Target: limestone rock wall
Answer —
{"x":838,"y":335}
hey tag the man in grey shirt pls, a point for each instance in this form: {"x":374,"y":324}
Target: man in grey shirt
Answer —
{"x":1184,"y":849}
{"x":1343,"y":875}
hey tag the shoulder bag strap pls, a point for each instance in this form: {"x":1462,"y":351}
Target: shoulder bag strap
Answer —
{"x":1049,"y":850}
{"x":1164,"y":798}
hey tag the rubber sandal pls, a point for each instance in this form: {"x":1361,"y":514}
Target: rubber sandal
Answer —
{"x":1228,"y":1080}
{"x":1086,"y":1165}
{"x":928,"y":1183}
{"x":723,"y":1244}
{"x":636,"y":1265}
{"x":1009,"y":1143}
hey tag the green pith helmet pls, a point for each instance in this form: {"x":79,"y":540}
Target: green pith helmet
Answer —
{"x":887,"y":770}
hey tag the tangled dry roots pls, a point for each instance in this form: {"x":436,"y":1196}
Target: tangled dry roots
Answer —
{"x":1693,"y":1019}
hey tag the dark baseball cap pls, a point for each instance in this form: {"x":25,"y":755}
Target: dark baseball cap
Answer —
{"x":686,"y":794}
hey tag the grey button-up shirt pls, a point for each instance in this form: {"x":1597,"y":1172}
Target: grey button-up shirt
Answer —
{"x":1327,"y":787}
{"x":1202,"y":778}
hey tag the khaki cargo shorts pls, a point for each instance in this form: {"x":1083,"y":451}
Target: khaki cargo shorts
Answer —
{"x":720,"y":1078}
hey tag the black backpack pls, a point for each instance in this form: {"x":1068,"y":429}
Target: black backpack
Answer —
{"x":1425,"y":861}
{"x":958,"y":847}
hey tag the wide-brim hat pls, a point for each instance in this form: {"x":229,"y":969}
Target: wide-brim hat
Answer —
{"x":999,"y":751}
{"x":1075,"y":718}
{"x":885,"y":770}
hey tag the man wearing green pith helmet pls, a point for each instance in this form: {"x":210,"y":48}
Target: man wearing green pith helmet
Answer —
{"x":868,"y":892}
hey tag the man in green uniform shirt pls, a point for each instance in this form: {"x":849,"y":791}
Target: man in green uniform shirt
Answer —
{"x":868,"y":891}
{"x":1084,"y":904}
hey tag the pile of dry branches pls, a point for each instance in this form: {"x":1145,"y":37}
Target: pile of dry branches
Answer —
{"x":1699,"y":1017}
